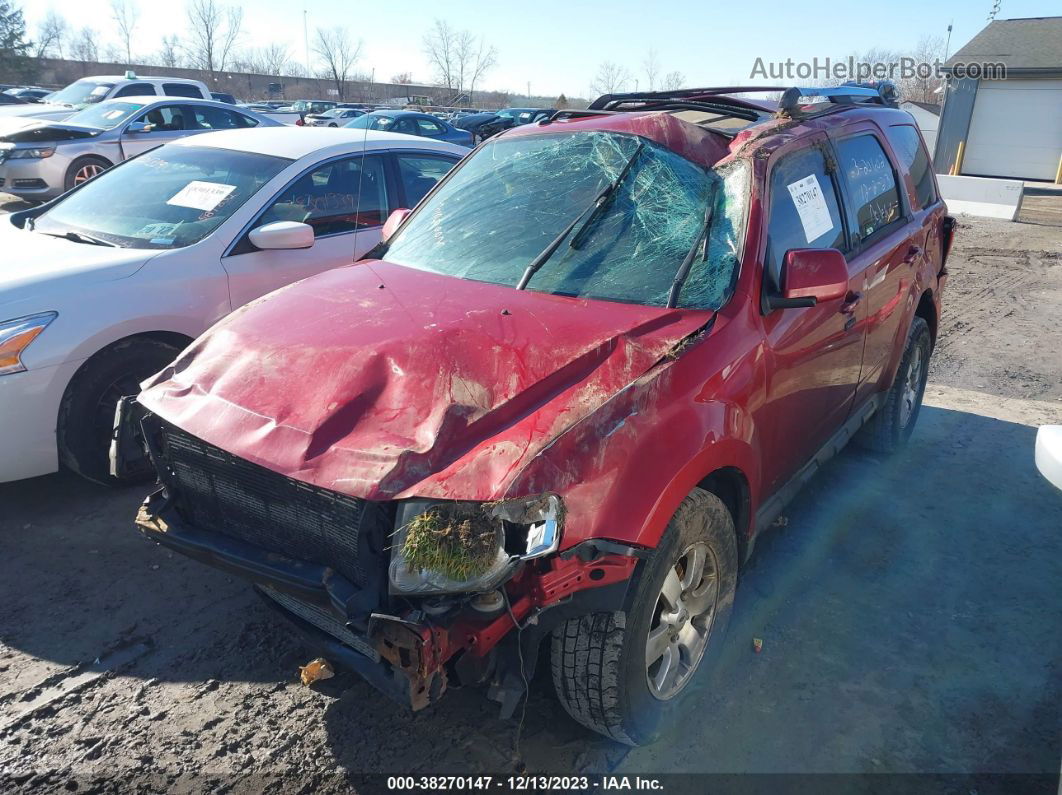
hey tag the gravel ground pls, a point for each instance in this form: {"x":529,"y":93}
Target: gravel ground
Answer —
{"x":909,"y":611}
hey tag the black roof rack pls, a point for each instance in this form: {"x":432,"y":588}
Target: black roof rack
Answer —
{"x":883,"y":93}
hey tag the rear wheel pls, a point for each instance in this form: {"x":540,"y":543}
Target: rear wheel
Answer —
{"x":83,"y":169}
{"x":628,"y":674}
{"x":86,"y":414}
{"x":892,"y":425}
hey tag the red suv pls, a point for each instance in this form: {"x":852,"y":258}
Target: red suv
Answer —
{"x":565,"y":395}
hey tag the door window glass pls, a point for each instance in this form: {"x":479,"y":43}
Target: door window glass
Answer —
{"x":428,"y":127}
{"x":328,"y":198}
{"x":181,"y":90}
{"x":210,"y":118}
{"x":804,"y":211}
{"x":163,"y":119}
{"x":871,"y":183}
{"x":419,"y":174}
{"x":135,"y":90}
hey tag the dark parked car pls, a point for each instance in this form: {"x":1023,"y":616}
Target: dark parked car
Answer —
{"x":412,"y":123}
{"x":565,"y":396}
{"x":29,"y":94}
{"x":484,"y":125}
{"x":223,"y":97}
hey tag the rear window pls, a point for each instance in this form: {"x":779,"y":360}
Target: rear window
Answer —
{"x":874,"y":201}
{"x":914,"y":159}
{"x":182,"y":90}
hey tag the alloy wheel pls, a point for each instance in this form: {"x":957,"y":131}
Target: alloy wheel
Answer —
{"x":682,"y":621}
{"x":87,"y":172}
{"x":912,"y":386}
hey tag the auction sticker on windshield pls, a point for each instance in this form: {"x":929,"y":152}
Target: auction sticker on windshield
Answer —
{"x":201,"y":195}
{"x":811,"y":206}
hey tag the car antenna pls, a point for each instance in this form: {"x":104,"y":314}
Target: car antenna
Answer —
{"x":361,"y":178}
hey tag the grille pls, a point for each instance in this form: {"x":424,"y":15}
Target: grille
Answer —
{"x":220,"y":492}
{"x":324,"y":621}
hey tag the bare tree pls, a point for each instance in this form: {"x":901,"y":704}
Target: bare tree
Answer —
{"x":673,"y":81}
{"x":923,"y":87}
{"x":275,"y":58}
{"x":125,"y":15}
{"x":338,"y":54}
{"x":402,"y":78}
{"x":170,"y":53}
{"x":213,"y":30}
{"x":51,"y":34}
{"x":651,"y":65}
{"x":611,"y":79}
{"x":83,"y":46}
{"x":440,"y":45}
{"x":476,"y":58}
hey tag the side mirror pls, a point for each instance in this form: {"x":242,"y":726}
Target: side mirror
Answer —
{"x":282,"y":235}
{"x":810,"y":275}
{"x":138,"y":127}
{"x":1049,"y":453}
{"x":394,"y":220}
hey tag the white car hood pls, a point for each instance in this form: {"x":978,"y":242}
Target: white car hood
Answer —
{"x":36,"y":266}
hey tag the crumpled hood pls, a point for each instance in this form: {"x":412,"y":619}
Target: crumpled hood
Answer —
{"x":21,"y":130}
{"x":381,"y":381}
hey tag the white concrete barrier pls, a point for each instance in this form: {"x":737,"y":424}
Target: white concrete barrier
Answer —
{"x":983,"y":196}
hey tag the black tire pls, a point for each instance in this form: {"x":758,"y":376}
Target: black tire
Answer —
{"x":333,"y":124}
{"x":77,"y":173}
{"x":599,"y":660}
{"x":86,"y":414}
{"x":891,"y":426}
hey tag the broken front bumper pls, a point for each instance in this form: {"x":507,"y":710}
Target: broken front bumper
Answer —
{"x":332,"y":614}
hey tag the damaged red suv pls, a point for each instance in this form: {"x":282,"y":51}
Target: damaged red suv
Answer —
{"x":563,"y":397}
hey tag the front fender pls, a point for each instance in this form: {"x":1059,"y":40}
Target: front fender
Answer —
{"x":624,"y":470}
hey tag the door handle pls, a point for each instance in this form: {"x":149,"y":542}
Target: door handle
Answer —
{"x":851,"y":301}
{"x":912,"y":254}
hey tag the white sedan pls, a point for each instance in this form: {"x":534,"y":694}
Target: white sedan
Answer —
{"x":103,"y":286}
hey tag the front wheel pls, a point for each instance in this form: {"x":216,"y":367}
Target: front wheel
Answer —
{"x":628,"y":674}
{"x":86,"y":414}
{"x":891,"y":426}
{"x":83,"y":169}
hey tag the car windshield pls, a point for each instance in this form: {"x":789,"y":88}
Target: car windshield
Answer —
{"x":170,"y":197}
{"x":106,"y":116}
{"x":517,"y":195}
{"x":82,"y":93}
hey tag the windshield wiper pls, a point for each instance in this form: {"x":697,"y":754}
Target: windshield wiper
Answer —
{"x":687,"y":262}
{"x":594,"y":209}
{"x":81,"y":237}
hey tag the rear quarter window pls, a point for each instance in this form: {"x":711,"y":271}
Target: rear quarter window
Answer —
{"x":914,"y":159}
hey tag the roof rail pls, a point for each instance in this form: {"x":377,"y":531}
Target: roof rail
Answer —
{"x":715,"y":94}
{"x":883,"y":93}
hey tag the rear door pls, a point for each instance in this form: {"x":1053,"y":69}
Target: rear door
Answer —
{"x":816,"y":352}
{"x":886,"y":246}
{"x":345,"y":200}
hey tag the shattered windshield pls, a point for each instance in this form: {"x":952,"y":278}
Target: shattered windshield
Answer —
{"x":512,"y":199}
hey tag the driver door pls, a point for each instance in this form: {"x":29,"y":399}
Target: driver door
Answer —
{"x":165,"y":123}
{"x":346,"y":201}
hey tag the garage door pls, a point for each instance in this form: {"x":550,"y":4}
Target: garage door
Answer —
{"x":1016,"y":130}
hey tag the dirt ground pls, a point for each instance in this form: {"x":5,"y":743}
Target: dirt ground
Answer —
{"x":909,"y":612}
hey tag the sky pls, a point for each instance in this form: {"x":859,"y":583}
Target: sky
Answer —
{"x":557,"y":46}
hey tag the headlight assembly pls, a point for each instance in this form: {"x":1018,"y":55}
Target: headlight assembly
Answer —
{"x":16,"y":335}
{"x":469,"y":547}
{"x":36,"y":152}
